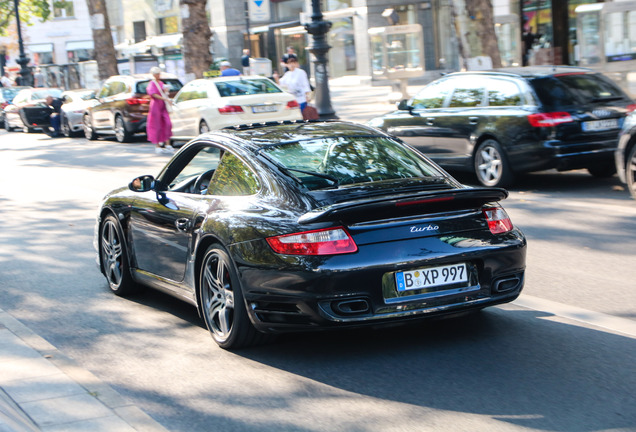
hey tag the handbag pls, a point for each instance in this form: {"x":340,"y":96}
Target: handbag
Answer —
{"x":310,"y":113}
{"x":168,"y":102}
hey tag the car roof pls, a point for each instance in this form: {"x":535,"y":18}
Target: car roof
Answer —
{"x":144,"y":76}
{"x":530,"y":71}
{"x":261,"y":135}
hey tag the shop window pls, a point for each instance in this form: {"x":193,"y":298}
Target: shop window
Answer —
{"x":289,"y":9}
{"x":43,"y":58}
{"x":63,"y":9}
{"x":80,"y":55}
{"x":139,"y":31}
{"x":331,"y":5}
{"x":168,"y":25}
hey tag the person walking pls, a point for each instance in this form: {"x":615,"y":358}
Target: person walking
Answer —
{"x":158,"y":125}
{"x":289,"y":54}
{"x":228,"y":70}
{"x":296,"y":82}
{"x":38,"y":78}
{"x":245,"y":61}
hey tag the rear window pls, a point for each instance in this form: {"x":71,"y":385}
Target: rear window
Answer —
{"x":348,"y":160}
{"x":559,"y":91}
{"x":172,"y":85}
{"x":246,"y":87}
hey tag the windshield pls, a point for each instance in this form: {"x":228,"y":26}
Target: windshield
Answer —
{"x":326,"y":162}
{"x":246,"y":87}
{"x":42,"y":94}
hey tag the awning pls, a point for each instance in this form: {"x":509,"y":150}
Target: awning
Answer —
{"x":72,"y":46}
{"x":41,"y":48}
{"x":165,"y":41}
{"x":131,"y":49}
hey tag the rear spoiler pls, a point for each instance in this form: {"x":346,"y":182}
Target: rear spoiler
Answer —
{"x":405,"y":204}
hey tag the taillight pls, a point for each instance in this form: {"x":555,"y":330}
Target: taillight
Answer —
{"x":549,"y":119}
{"x":631,"y":107}
{"x":292,"y":104}
{"x":330,"y":241}
{"x":137,"y":101}
{"x":3,"y":105}
{"x":230,"y":109}
{"x":498,"y":220}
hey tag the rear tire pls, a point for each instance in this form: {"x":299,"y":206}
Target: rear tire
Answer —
{"x":630,"y":171}
{"x":222,"y":303}
{"x":491,"y":165}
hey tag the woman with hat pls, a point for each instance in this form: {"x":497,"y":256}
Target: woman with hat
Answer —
{"x":158,"y":125}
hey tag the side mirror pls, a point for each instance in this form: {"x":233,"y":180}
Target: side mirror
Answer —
{"x":143,"y":183}
{"x":403,"y":105}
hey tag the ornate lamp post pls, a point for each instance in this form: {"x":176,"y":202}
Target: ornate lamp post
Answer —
{"x":23,"y":61}
{"x":318,"y":28}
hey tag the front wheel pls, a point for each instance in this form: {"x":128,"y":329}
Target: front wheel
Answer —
{"x":121,"y":134}
{"x":114,"y":258}
{"x":222,"y":305}
{"x":89,"y":132}
{"x":491,"y":165}
{"x":630,"y":171}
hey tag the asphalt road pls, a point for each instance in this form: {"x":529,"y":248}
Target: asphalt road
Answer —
{"x":564,"y":364}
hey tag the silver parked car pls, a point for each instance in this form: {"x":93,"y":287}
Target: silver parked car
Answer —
{"x":72,"y":111}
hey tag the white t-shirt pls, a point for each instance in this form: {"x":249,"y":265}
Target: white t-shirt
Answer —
{"x":6,"y":82}
{"x":296,"y":83}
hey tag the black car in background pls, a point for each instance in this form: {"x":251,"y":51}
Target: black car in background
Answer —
{"x":508,"y":121}
{"x":300,"y":226}
{"x":29,"y":111}
{"x":122,"y":106}
{"x":626,"y":154}
{"x":6,"y":98}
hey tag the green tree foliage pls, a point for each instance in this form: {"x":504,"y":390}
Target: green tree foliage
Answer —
{"x":29,"y":10}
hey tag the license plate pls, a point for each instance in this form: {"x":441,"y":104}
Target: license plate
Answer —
{"x":431,"y":277}
{"x":263,"y":108}
{"x":600,"y":125}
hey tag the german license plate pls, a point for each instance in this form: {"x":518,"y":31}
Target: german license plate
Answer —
{"x":600,"y":125}
{"x":263,"y":108}
{"x":431,"y":277}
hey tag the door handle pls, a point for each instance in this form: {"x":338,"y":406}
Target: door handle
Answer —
{"x":430,"y":121}
{"x":182,"y":224}
{"x":473,"y":120}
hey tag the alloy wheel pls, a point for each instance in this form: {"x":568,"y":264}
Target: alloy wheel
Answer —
{"x":489,"y":164}
{"x":217,"y":295}
{"x":631,"y":171}
{"x":112,"y":254}
{"x":120,"y":131}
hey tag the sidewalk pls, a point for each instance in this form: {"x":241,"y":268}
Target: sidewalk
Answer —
{"x":43,"y":390}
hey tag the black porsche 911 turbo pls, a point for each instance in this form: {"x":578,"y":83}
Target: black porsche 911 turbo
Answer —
{"x":307,"y":225}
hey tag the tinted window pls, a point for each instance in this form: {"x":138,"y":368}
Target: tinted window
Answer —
{"x":172,"y":85}
{"x":433,"y":95}
{"x":350,"y":160}
{"x":503,"y":93}
{"x":246,"y":87}
{"x":560,"y":91}
{"x":466,"y":95}
{"x":233,"y":178}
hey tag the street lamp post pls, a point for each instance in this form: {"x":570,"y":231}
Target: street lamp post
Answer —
{"x":318,"y":28}
{"x":23,"y":61}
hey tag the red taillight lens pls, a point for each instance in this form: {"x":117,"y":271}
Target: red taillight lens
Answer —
{"x":549,"y":119}
{"x":498,"y":220}
{"x":631,"y":107}
{"x":292,"y":104}
{"x":330,"y":241}
{"x":3,"y":105}
{"x":230,"y":109}
{"x":137,"y":101}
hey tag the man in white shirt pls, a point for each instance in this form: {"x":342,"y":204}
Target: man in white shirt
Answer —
{"x":6,"y":81}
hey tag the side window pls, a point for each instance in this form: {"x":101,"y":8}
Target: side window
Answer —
{"x":503,"y":93}
{"x":105,"y":91}
{"x":233,"y":178}
{"x":117,"y":87}
{"x":197,"y":162}
{"x":433,"y":95}
{"x":467,"y":95}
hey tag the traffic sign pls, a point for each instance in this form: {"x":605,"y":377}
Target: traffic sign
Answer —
{"x":259,"y":10}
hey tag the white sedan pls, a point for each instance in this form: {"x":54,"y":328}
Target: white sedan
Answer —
{"x":207,"y":104}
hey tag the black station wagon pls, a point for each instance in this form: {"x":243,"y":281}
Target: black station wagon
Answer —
{"x":508,"y":121}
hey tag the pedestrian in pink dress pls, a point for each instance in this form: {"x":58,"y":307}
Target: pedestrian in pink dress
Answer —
{"x":158,"y":125}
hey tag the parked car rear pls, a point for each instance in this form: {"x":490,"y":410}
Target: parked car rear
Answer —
{"x":504,"y":122}
{"x":6,"y":98}
{"x":29,"y":110}
{"x":122,"y":106}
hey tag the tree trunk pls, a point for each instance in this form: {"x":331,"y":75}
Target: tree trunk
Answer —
{"x":103,"y":39}
{"x":475,"y":26}
{"x":196,"y":37}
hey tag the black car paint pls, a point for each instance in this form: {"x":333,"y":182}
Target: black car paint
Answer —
{"x":625,"y":155}
{"x":289,"y":292}
{"x":450,"y":135}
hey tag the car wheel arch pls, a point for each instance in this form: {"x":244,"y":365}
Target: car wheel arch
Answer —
{"x":107,"y":211}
